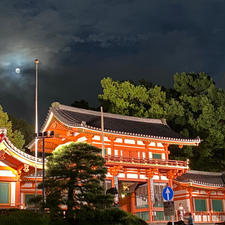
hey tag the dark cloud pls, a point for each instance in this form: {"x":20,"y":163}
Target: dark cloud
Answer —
{"x":80,"y":42}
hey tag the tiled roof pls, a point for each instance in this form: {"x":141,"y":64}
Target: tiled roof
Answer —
{"x":202,"y":178}
{"x":119,"y":124}
{"x":17,"y":151}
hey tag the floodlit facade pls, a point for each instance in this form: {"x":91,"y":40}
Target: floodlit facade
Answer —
{"x":137,"y":158}
{"x":17,"y":181}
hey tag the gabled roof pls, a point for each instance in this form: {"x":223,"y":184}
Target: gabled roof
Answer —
{"x":12,"y":151}
{"x":202,"y":178}
{"x":114,"y":123}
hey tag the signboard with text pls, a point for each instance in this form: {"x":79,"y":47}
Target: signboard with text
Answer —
{"x":169,"y":208}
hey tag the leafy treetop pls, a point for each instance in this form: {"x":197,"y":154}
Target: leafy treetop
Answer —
{"x":75,"y":173}
{"x":15,"y":136}
{"x":194,"y":107}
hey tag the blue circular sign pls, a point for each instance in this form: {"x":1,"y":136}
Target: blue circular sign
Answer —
{"x":167,"y":193}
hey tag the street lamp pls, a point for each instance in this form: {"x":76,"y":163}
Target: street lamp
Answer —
{"x":36,"y":123}
{"x":43,"y":135}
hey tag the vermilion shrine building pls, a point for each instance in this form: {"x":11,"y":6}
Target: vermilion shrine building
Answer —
{"x":137,"y":158}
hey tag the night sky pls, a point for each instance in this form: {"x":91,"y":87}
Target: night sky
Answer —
{"x":78,"y":42}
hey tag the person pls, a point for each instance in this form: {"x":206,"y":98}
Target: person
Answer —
{"x":190,"y":220}
{"x":181,"y":212}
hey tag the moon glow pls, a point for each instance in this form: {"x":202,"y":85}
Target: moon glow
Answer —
{"x":17,"y":70}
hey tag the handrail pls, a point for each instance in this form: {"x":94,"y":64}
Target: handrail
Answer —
{"x":146,"y":161}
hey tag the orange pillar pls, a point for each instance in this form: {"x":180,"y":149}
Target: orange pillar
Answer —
{"x":146,"y":149}
{"x":18,"y":195}
{"x":167,"y":152}
{"x":132,"y":203}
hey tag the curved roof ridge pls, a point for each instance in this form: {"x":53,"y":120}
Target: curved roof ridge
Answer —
{"x":110,"y":115}
{"x":199,"y":172}
{"x":116,"y":124}
{"x":16,"y":150}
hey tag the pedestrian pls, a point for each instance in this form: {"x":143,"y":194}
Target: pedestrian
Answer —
{"x":181,"y":212}
{"x":190,"y":220}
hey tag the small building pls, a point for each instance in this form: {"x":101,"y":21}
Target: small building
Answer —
{"x":202,"y":194}
{"x":17,"y":180}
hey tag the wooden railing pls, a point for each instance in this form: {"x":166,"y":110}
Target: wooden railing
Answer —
{"x":203,"y":217}
{"x":146,"y":161}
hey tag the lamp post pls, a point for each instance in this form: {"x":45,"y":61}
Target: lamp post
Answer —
{"x":46,"y":134}
{"x":36,"y":122}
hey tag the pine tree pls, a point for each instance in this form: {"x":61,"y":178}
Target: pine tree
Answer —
{"x":75,"y":174}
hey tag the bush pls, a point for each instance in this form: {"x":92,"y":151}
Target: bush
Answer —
{"x":22,"y":217}
{"x":112,"y":216}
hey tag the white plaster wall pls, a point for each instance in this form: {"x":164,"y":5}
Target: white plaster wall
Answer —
{"x":143,"y":177}
{"x":164,"y":178}
{"x":180,"y":192}
{"x":163,"y":156}
{"x":106,"y":139}
{"x":150,"y":155}
{"x":143,"y":155}
{"x":82,"y":139}
{"x":138,"y":155}
{"x":7,"y":173}
{"x":115,"y":152}
{"x":152,"y":144}
{"x":132,"y":176}
{"x":13,"y":193}
{"x":27,"y":185}
{"x":121,"y":175}
{"x":159,"y":145}
{"x":129,"y":141}
{"x":75,"y":134}
{"x":109,"y":151}
{"x":119,"y":140}
{"x":96,"y":137}
{"x":155,"y":177}
{"x":140,"y":143}
{"x":108,"y":175}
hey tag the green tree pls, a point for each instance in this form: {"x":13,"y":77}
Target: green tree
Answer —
{"x":136,"y":100}
{"x":15,"y":136}
{"x":21,"y":125}
{"x":204,"y":116}
{"x":75,"y":173}
{"x":194,"y":107}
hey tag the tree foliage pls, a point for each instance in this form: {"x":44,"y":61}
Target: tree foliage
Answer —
{"x":15,"y":136}
{"x":75,"y":173}
{"x":194,"y":107}
{"x":21,"y":125}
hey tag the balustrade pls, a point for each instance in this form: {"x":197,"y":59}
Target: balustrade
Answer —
{"x":162,"y":162}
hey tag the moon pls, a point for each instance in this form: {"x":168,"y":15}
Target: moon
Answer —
{"x":17,"y":70}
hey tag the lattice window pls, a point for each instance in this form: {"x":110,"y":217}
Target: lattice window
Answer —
{"x":156,"y":156}
{"x":158,"y":196}
{"x":217,"y":205}
{"x":27,"y":198}
{"x":142,"y":196}
{"x":4,"y":193}
{"x":143,"y":215}
{"x":200,"y":205}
